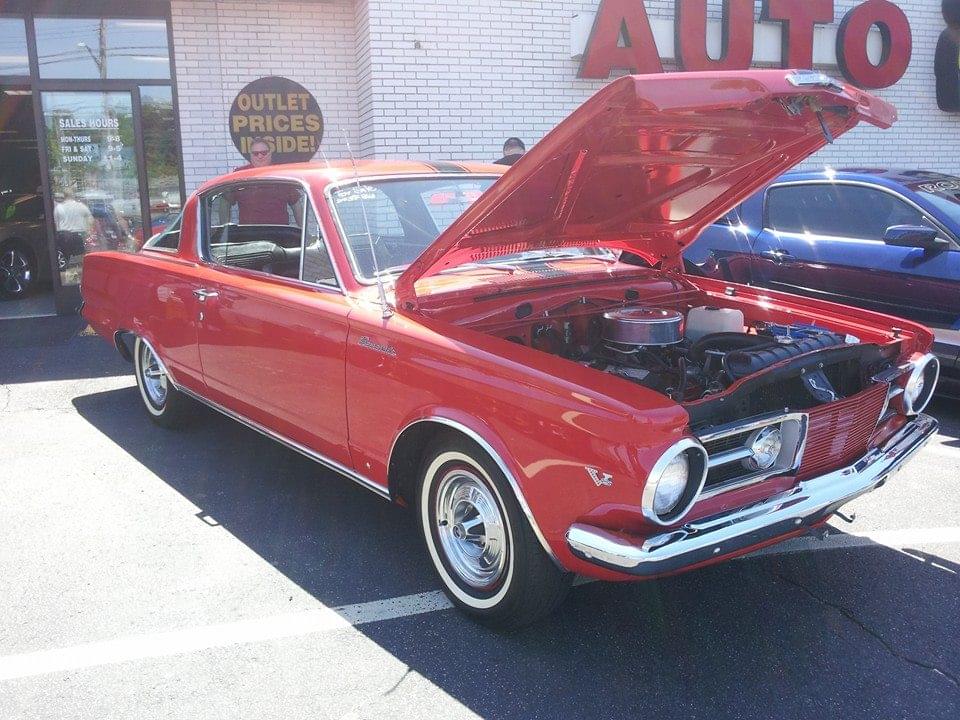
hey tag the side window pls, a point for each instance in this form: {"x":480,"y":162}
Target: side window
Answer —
{"x":256,"y":226}
{"x":317,"y":268}
{"x":850,"y":211}
{"x":169,"y":239}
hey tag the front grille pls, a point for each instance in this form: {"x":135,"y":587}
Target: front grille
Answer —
{"x":728,"y":442}
{"x":728,"y":451}
{"x":838,"y":432}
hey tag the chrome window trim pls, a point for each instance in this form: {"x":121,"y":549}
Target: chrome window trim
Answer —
{"x":735,"y":428}
{"x":955,"y":244}
{"x":487,"y":448}
{"x":201,"y":231}
{"x":337,"y":184}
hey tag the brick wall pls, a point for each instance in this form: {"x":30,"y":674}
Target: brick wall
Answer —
{"x":488,"y":69}
{"x":447,"y":79}
{"x":220,"y":46}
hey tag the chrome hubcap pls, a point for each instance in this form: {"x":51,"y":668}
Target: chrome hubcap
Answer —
{"x":471,"y":529}
{"x":15,"y":272}
{"x":154,"y":379}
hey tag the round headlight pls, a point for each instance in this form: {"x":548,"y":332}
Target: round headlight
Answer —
{"x":674,"y":483}
{"x":765,"y":446}
{"x":920,"y":384}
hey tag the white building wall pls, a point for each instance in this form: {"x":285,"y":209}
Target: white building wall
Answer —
{"x":444,"y":79}
{"x":222,"y":45}
{"x":455,"y":79}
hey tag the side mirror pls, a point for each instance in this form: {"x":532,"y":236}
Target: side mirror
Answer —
{"x":916,"y":236}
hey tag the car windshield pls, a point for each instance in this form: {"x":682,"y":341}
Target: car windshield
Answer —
{"x":943,"y":194}
{"x":406,"y":216}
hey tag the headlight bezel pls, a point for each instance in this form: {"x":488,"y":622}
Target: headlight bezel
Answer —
{"x":696,"y":477}
{"x":927,"y":369}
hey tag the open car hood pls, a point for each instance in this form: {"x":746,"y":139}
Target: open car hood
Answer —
{"x":648,"y":162}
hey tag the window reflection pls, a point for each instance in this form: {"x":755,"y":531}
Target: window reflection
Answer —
{"x":102,"y":48}
{"x":162,"y":157}
{"x":13,"y":47}
{"x":93,"y":174}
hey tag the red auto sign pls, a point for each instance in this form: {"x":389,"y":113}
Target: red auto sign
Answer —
{"x":622,"y":38}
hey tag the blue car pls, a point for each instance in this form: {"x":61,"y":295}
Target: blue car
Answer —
{"x":885,"y":240}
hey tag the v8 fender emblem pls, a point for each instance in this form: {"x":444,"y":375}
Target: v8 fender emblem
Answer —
{"x":601,"y":479}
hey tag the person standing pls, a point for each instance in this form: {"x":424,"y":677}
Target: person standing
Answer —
{"x":265,"y":204}
{"x":513,"y":150}
{"x":73,"y":222}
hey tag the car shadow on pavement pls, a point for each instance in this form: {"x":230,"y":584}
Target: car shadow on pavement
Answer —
{"x":947,"y":411}
{"x":860,"y":632}
{"x":55,"y":348}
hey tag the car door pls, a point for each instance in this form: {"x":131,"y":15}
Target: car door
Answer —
{"x":273,"y":327}
{"x":826,"y":239}
{"x":724,"y":250}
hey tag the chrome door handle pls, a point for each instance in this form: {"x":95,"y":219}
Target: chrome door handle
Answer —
{"x":202,"y":294}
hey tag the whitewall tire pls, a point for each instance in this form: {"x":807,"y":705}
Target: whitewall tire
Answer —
{"x":484,"y":551}
{"x":166,"y":405}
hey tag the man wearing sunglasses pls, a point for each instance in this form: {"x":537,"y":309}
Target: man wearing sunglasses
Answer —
{"x":265,"y":205}
{"x":260,"y":155}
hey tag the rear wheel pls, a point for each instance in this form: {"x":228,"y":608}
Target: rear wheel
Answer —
{"x":167,"y":406}
{"x":482,"y":546}
{"x":17,"y":272}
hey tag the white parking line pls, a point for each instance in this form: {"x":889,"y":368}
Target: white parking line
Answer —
{"x":324,"y":619}
{"x":894,"y":539}
{"x":178,"y":642}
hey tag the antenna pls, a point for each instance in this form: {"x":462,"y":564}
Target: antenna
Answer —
{"x":387,"y":311}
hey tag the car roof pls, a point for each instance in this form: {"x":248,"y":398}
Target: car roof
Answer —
{"x":888,"y":177}
{"x":322,"y":172}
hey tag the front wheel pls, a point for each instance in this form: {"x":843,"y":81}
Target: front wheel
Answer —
{"x":167,"y":406}
{"x":482,"y":546}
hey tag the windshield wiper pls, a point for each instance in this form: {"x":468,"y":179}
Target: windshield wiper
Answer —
{"x":391,"y":270}
{"x":481,"y":266}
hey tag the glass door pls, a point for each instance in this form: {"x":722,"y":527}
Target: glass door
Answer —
{"x":94,"y":175}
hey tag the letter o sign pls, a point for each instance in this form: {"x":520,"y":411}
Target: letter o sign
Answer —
{"x":852,"y":44}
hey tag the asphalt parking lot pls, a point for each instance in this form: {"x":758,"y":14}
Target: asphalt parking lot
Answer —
{"x":212,"y":573}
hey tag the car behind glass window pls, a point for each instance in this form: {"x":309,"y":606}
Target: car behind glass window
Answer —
{"x":850,"y":211}
{"x":168,"y":239}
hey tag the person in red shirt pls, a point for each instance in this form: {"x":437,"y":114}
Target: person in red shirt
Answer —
{"x":265,"y":204}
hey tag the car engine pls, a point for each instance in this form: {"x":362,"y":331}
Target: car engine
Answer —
{"x":688,"y":357}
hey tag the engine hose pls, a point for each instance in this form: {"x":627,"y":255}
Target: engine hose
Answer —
{"x":725,"y":342}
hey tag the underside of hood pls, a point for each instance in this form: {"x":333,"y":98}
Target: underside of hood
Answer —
{"x":648,"y":162}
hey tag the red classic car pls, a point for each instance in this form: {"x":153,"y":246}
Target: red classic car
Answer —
{"x":520,"y":358}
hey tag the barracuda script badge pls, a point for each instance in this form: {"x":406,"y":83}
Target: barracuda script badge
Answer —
{"x":366,"y":342}
{"x":601,"y":479}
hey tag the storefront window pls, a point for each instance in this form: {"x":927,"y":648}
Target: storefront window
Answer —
{"x":161,"y":156}
{"x":93,"y":174}
{"x":102,"y":48}
{"x":13,"y":47}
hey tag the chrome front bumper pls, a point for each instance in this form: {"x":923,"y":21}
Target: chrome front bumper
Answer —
{"x":805,"y":505}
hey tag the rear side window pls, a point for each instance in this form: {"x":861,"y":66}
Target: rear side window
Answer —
{"x":169,"y":239}
{"x":267,"y":227}
{"x":850,"y":211}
